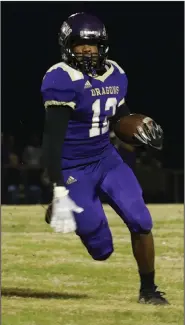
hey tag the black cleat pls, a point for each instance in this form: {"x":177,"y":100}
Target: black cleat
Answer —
{"x":48,"y":214}
{"x":153,"y":297}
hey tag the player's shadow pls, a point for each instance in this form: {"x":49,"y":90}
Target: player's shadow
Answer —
{"x":28,"y":293}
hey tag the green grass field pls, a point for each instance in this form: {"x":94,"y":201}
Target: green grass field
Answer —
{"x":49,"y":279}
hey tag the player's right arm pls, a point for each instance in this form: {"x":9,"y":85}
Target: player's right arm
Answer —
{"x":55,"y":127}
{"x":59,"y":100}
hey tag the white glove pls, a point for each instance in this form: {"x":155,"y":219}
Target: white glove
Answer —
{"x":62,"y":218}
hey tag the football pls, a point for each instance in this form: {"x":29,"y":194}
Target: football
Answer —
{"x":127,"y":126}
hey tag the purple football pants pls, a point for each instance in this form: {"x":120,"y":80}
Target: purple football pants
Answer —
{"x":115,"y":179}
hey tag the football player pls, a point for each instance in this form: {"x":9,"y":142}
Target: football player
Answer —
{"x":81,"y":94}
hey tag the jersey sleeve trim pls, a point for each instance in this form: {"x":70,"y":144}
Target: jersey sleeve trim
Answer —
{"x":121,"y":102}
{"x":56,"y":103}
{"x":117,"y":66}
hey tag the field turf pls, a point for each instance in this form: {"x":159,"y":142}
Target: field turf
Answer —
{"x":49,"y":279}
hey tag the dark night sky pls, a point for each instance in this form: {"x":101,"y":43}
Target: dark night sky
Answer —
{"x":146,"y":39}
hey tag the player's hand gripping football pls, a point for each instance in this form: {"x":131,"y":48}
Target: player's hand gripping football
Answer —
{"x":62,"y":218}
{"x":150,"y":133}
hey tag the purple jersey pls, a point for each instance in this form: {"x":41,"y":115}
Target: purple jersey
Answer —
{"x":93,"y":100}
{"x":90,"y":163}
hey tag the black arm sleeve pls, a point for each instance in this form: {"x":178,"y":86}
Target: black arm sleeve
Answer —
{"x":121,"y":111}
{"x":56,"y":122}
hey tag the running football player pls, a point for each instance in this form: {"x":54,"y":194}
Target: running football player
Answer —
{"x":81,"y":94}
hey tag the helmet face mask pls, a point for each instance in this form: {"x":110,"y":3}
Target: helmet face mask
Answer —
{"x":83,"y":29}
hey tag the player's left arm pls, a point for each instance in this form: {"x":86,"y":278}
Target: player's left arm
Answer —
{"x":151,"y":133}
{"x":122,"y":108}
{"x":121,"y":111}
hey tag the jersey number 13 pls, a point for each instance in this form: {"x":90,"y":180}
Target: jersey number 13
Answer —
{"x":97,"y":126}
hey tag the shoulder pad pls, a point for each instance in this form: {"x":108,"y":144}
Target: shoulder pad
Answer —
{"x":123,"y":81}
{"x":73,"y":74}
{"x":58,"y":85}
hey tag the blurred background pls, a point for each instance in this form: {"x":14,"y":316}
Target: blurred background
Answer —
{"x":146,"y":39}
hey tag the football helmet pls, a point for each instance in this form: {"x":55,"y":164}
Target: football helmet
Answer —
{"x":82,"y":28}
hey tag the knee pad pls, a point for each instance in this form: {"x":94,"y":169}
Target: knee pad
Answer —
{"x":99,"y":243}
{"x":141,"y":220}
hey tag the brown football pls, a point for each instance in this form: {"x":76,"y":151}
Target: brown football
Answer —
{"x":127,"y":126}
